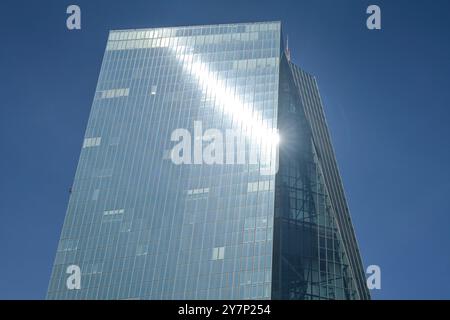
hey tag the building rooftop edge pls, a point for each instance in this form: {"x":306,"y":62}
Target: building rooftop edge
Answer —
{"x":196,"y":26}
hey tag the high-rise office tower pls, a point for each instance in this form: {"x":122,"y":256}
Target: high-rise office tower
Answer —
{"x":206,"y":172}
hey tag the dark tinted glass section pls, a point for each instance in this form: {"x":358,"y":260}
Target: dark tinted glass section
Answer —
{"x":310,"y":261}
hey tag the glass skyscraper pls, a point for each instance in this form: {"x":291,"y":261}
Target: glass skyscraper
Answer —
{"x":256,"y":214}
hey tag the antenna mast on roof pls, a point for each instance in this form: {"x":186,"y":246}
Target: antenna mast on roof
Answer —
{"x":288,"y":52}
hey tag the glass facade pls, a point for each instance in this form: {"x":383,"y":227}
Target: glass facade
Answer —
{"x":338,"y":226}
{"x":310,"y":257}
{"x":141,"y":226}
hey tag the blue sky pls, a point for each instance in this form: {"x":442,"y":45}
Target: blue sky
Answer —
{"x":386,"y":96}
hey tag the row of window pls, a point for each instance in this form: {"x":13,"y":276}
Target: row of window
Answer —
{"x":114,"y":93}
{"x":192,"y":31}
{"x":178,"y":41}
{"x":92,"y":142}
{"x":113,"y":212}
{"x":261,"y":186}
{"x":198,"y":191}
{"x":267,"y":185}
{"x":117,"y":93}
